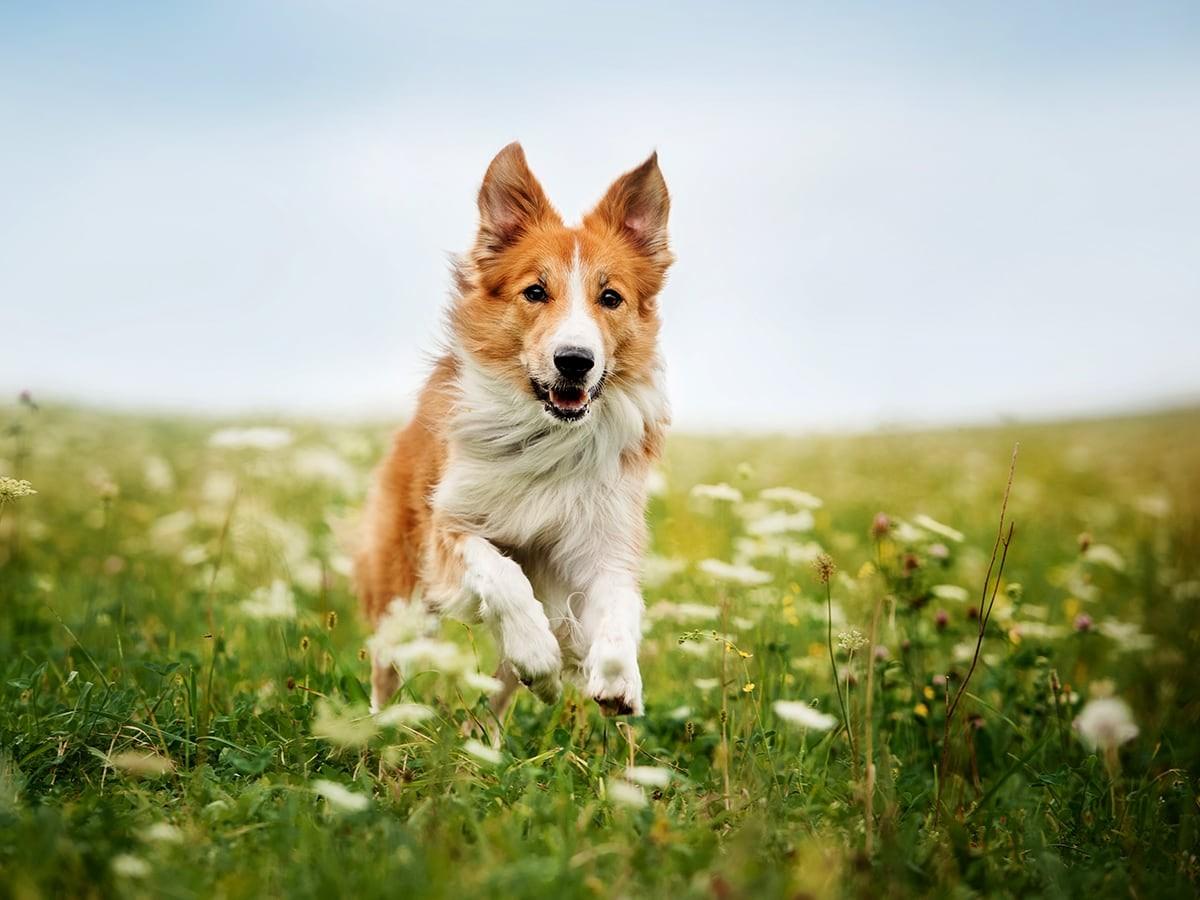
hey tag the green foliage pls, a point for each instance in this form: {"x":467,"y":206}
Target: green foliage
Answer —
{"x":177,"y":702}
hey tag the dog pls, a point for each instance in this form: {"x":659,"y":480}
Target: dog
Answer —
{"x":516,"y":494}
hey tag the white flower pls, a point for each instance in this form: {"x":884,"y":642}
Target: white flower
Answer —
{"x":950,"y":592}
{"x":343,"y":727}
{"x":482,"y":753}
{"x":257,"y":438}
{"x":851,"y":640}
{"x":650,"y":776}
{"x":162,"y":833}
{"x":626,"y":794}
{"x":799,"y":499}
{"x":168,"y":534}
{"x":656,"y":483}
{"x":720,"y":493}
{"x":403,"y":714}
{"x":937,"y":527}
{"x":1105,"y":724}
{"x":428,"y":654}
{"x":141,"y":763}
{"x":683,"y":612}
{"x":126,"y":865}
{"x":275,"y":602}
{"x":680,"y":713}
{"x":1105,"y":556}
{"x":781,"y":523}
{"x":325,"y":464}
{"x":803,"y":715}
{"x":657,"y":570}
{"x":12,"y":488}
{"x":481,"y":682}
{"x":340,"y":798}
{"x":706,"y":684}
{"x":723,"y":571}
{"x":1127,"y":635}
{"x":157,"y":474}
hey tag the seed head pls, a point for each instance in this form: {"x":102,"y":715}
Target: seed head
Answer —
{"x":824,"y":566}
{"x":331,"y":620}
{"x":880,"y":526}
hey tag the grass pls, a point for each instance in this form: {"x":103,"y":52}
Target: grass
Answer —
{"x":158,"y":737}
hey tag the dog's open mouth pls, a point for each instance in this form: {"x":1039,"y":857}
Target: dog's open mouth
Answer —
{"x":565,"y":401}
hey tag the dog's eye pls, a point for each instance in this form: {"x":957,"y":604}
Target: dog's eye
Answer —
{"x":610,"y":299}
{"x":535,"y":293}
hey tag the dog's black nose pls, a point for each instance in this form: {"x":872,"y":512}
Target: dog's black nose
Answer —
{"x":574,"y":362}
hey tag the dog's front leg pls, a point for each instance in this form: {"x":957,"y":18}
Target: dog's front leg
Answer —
{"x":486,"y":584}
{"x":612,"y":628}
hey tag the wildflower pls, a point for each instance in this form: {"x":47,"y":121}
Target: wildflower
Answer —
{"x":781,"y":523}
{"x":851,"y":640}
{"x":938,"y":551}
{"x":626,"y":794}
{"x":802,"y":714}
{"x":743,"y":575}
{"x":937,"y":527}
{"x":1127,"y":635}
{"x":258,"y":438}
{"x":1105,"y":556}
{"x":126,"y":865}
{"x":881,"y":525}
{"x":157,"y":474}
{"x":921,"y":711}
{"x":706,"y":684}
{"x":403,"y":714}
{"x":162,"y":833}
{"x":481,"y":682}
{"x":748,"y":687}
{"x":720,"y":493}
{"x":650,"y":776}
{"x":343,"y":727}
{"x":1105,"y":724}
{"x":799,"y":499}
{"x":12,"y":488}
{"x":482,"y":753}
{"x":141,"y":763}
{"x":881,"y":653}
{"x":950,"y":592}
{"x":912,"y":562}
{"x":824,"y":566}
{"x":941,"y":619}
{"x":1083,"y":623}
{"x":275,"y":602}
{"x":25,"y":398}
{"x":340,"y":798}
{"x":683,"y":612}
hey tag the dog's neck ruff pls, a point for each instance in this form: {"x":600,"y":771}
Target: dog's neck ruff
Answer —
{"x":494,"y":421}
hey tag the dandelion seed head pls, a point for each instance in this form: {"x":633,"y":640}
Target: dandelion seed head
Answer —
{"x":1105,"y":724}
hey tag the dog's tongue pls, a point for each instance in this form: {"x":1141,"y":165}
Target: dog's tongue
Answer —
{"x":568,"y":398}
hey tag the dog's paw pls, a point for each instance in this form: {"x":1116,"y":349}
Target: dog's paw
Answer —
{"x":533,"y":652}
{"x":613,"y":678}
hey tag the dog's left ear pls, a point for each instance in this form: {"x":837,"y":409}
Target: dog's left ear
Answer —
{"x":636,"y":206}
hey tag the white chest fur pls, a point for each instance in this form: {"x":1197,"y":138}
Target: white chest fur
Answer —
{"x":528,"y":483}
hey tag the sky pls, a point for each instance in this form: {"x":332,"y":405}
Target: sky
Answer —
{"x":884,"y":214}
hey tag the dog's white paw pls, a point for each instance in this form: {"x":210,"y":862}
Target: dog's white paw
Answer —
{"x":532,"y":650}
{"x":613,"y":678}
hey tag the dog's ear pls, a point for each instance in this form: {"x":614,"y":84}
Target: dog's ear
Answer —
{"x":637,"y":206}
{"x":510,"y":201}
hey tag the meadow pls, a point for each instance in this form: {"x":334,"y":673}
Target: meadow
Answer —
{"x":183,"y":676}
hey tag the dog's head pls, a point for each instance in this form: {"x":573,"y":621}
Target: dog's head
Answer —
{"x":560,"y":312}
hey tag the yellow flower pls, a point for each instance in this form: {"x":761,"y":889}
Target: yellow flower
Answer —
{"x":745,"y":654}
{"x":921,"y":711}
{"x":748,"y":687}
{"x":866,"y":571}
{"x":929,"y":694}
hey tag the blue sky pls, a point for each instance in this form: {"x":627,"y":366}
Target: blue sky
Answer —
{"x":921,"y":213}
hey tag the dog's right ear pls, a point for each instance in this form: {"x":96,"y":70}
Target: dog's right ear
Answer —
{"x":510,"y":201}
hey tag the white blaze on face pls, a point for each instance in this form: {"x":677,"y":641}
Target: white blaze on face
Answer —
{"x":578,"y":327}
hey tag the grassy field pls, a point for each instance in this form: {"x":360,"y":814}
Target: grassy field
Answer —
{"x":182,"y":694}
